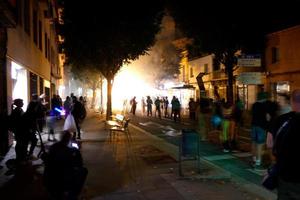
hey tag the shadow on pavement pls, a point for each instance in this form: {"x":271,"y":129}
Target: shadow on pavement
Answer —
{"x":26,"y":183}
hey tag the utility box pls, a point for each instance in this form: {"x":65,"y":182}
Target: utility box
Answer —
{"x":189,"y":148}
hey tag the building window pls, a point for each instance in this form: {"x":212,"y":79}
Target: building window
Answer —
{"x":40,"y":36}
{"x":46,"y":45}
{"x":26,"y":17}
{"x":216,"y":65}
{"x":191,"y":72}
{"x":283,"y":87}
{"x":275,"y":54}
{"x":19,"y":12}
{"x":41,"y":86}
{"x":33,"y":84}
{"x":206,"y":68}
{"x":35,"y":26}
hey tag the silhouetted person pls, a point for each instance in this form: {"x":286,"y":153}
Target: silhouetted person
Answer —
{"x":67,"y":106}
{"x":149,"y":106}
{"x":78,"y":112}
{"x":16,"y":126}
{"x":143,"y":105}
{"x":259,"y":126}
{"x":192,"y":109}
{"x":166,"y":105}
{"x":133,"y":104}
{"x":64,"y":174}
{"x":286,"y":136}
{"x":55,"y":104}
{"x":50,"y":121}
{"x":157,"y":107}
{"x":175,"y":108}
{"x":33,"y":120}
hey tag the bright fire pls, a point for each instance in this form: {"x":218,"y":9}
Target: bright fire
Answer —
{"x":129,"y":83}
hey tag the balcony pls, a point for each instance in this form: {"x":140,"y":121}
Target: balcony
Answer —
{"x":214,"y":76}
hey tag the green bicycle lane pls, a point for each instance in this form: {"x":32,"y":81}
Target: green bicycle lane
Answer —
{"x":237,"y":163}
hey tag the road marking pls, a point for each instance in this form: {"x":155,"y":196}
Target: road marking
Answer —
{"x":242,"y":155}
{"x":218,"y":157}
{"x":258,"y":172}
{"x":172,"y":133}
{"x":167,"y":130}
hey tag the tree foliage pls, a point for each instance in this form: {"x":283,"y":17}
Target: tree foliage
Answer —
{"x":224,"y":27}
{"x":110,"y":35}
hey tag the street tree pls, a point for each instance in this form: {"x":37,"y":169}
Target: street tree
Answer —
{"x":90,"y":77}
{"x":224,"y":28}
{"x":105,"y":37}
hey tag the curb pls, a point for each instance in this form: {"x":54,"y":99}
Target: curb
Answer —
{"x":242,"y":182}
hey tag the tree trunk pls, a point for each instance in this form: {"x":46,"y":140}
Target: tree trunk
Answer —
{"x":3,"y":92}
{"x":94,"y":94}
{"x":230,"y":85}
{"x":109,"y":91}
{"x":229,"y":69}
{"x":101,"y":95}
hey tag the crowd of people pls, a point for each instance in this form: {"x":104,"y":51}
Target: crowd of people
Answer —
{"x":161,"y":107}
{"x":64,"y":173}
{"x":273,"y":125}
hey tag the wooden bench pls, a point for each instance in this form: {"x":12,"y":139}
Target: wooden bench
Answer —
{"x":120,"y":129}
{"x":116,"y":120}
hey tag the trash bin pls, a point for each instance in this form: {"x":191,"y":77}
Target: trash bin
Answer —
{"x":189,"y":148}
{"x":189,"y":142}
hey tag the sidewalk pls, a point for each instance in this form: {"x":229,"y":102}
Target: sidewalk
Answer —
{"x":235,"y":163}
{"x":145,"y":168}
{"x":150,"y":172}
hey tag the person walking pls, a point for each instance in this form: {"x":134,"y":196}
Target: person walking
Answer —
{"x":55,"y":105}
{"x":50,"y":122}
{"x":237,"y":116}
{"x":227,"y":125}
{"x":259,"y":125}
{"x":34,"y":121}
{"x":286,"y":150}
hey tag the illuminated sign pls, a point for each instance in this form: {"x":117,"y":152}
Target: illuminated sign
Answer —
{"x":250,"y":78}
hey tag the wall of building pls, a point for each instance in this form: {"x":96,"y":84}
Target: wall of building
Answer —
{"x":22,"y":50}
{"x":33,"y":52}
{"x":286,"y":67}
{"x":198,"y":66}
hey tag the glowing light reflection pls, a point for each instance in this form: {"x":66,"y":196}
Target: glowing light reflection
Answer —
{"x":127,"y":84}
